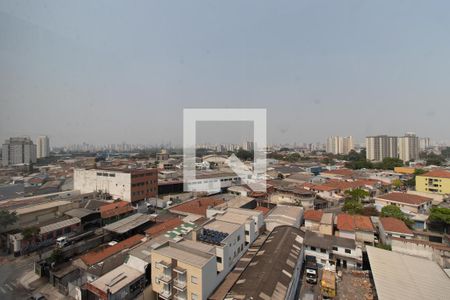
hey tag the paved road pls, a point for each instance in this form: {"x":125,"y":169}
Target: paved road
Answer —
{"x":10,"y":273}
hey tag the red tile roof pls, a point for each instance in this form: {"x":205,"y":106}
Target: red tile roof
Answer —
{"x":264,"y":210}
{"x":395,"y":225}
{"x":348,"y":222}
{"x":93,"y":257}
{"x":437,"y":173}
{"x":197,"y":206}
{"x":163,"y":227}
{"x":313,"y":215}
{"x":405,"y":198}
{"x":115,"y":209}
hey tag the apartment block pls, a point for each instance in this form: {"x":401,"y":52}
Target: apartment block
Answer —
{"x":339,"y":144}
{"x":408,"y":147}
{"x":380,"y":147}
{"x":131,"y":185}
{"x":43,"y":146}
{"x":435,"y":181}
{"x":18,"y":150}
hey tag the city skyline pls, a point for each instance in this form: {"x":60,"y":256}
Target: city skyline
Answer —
{"x":329,"y":69}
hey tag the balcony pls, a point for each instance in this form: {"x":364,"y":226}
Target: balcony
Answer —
{"x":179,"y":270}
{"x":164,"y":264}
{"x":166,"y":294}
{"x":165,"y":278}
{"x":181,"y":296}
{"x":179,"y":284}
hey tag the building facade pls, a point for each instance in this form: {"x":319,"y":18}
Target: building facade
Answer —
{"x":131,"y":185}
{"x":339,"y":144}
{"x":18,"y":150}
{"x":408,"y":147}
{"x":436,"y":181}
{"x":380,"y":147}
{"x":43,"y":146}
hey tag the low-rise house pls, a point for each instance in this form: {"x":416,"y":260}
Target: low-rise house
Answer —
{"x":312,"y":219}
{"x":197,"y":206}
{"x":407,"y":202}
{"x":333,"y":251}
{"x":292,"y":195}
{"x":356,"y":227}
{"x":123,"y":282}
{"x":391,"y":227}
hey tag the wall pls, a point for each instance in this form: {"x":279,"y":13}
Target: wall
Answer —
{"x":88,"y":181}
{"x":442,"y":188}
{"x":441,"y":257}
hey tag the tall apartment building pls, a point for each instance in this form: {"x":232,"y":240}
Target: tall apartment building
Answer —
{"x":132,"y":185}
{"x":43,"y":146}
{"x":408,"y":147}
{"x":18,"y":150}
{"x":339,"y":144}
{"x":381,"y":146}
{"x":424,"y":143}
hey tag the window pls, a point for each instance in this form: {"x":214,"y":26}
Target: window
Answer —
{"x":194,"y":296}
{"x":238,"y":238}
{"x":194,"y":280}
{"x":335,"y":248}
{"x":348,"y":251}
{"x":313,"y":248}
{"x":323,"y":250}
{"x":219,"y":259}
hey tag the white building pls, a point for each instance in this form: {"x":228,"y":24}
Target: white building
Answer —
{"x":380,"y":147}
{"x":339,"y":144}
{"x":408,"y":147}
{"x":43,"y":146}
{"x":18,"y":150}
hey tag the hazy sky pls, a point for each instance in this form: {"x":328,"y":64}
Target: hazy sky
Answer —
{"x":114,"y":71}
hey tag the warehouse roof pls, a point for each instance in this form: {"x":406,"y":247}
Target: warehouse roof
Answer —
{"x":59,"y":225}
{"x":39,"y":207}
{"x":404,"y":277}
{"x":128,"y":223}
{"x":269,"y":274}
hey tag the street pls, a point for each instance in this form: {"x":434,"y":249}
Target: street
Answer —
{"x":10,"y":274}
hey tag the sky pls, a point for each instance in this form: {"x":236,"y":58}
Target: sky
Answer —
{"x":123,"y":71}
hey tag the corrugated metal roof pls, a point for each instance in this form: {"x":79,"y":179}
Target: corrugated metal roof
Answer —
{"x":59,"y":225}
{"x":404,"y":277}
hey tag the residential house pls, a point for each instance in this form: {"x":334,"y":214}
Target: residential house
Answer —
{"x":391,"y":227}
{"x":356,"y":227}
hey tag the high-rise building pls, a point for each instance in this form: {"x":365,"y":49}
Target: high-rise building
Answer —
{"x":408,"y":147}
{"x":43,"y":146}
{"x":339,"y":144}
{"x":425,"y":143}
{"x":381,"y":146}
{"x":18,"y":150}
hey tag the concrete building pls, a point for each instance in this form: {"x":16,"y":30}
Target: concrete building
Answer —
{"x":435,"y":181}
{"x":274,"y":271}
{"x":408,"y":147}
{"x":131,"y":185}
{"x":292,"y":195}
{"x":408,"y":203}
{"x":380,"y":147}
{"x":333,"y":251}
{"x":43,"y":146}
{"x":284,"y":215}
{"x":339,"y":144}
{"x":425,"y":143}
{"x":391,"y":227}
{"x":18,"y":150}
{"x":313,"y":219}
{"x":356,"y":227}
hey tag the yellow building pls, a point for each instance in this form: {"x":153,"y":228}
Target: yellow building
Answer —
{"x":404,"y":170}
{"x":436,"y":181}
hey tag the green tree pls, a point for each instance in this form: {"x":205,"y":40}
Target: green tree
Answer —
{"x":397,"y":183}
{"x":244,"y":154}
{"x":412,"y":182}
{"x":357,"y":194}
{"x":389,"y":163}
{"x":395,"y":212}
{"x":352,"y":207}
{"x":30,"y":233}
{"x":7,"y":218}
{"x":293,"y":157}
{"x":440,"y":215}
{"x":56,"y":256}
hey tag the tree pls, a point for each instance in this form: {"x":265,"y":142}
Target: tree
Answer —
{"x":293,"y":157}
{"x":440,"y":215}
{"x":352,"y":207}
{"x":389,"y":163}
{"x":412,"y":182}
{"x":395,"y":212}
{"x":56,"y":256}
{"x":7,"y":218}
{"x":244,"y":154}
{"x":397,"y":183}
{"x":357,"y":194}
{"x":30,"y":233}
